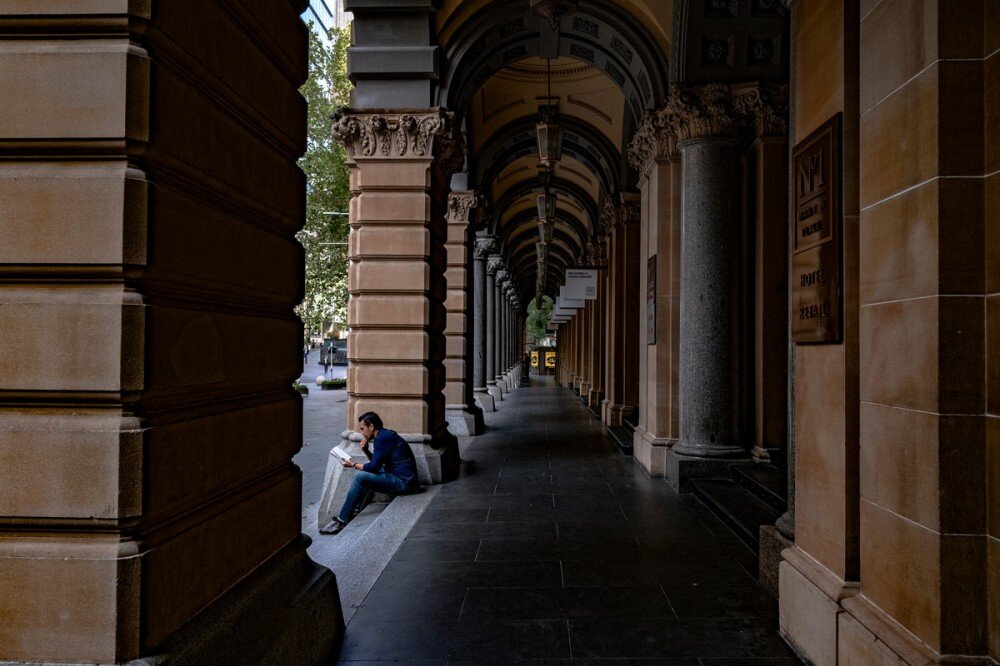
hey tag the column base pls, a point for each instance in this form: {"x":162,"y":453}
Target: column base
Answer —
{"x":650,"y":452}
{"x":484,"y":400}
{"x":594,"y":398}
{"x":287,"y":611}
{"x":769,"y":556}
{"x":584,"y":389}
{"x":502,"y":385}
{"x":495,"y":392}
{"x":809,"y":607}
{"x":682,"y":469}
{"x":464,"y":420}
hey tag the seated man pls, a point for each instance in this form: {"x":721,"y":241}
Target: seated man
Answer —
{"x":391,"y":452}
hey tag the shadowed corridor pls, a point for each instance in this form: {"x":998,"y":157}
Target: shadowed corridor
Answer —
{"x":554,"y":546}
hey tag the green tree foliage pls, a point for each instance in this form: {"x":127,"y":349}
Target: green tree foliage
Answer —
{"x":538,"y":319}
{"x":327,"y":89}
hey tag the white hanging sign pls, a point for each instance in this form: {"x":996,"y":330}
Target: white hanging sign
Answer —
{"x":581,"y":283}
{"x":564,"y":301}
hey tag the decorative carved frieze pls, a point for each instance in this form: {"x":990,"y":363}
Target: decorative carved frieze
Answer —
{"x":393,"y":135}
{"x":460,"y":205}
{"x":485,"y":246}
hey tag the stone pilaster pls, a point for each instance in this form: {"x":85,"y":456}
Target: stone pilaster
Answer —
{"x":396,"y":279}
{"x":653,"y":153}
{"x":463,"y":415}
{"x":493,"y":264}
{"x":484,"y":246}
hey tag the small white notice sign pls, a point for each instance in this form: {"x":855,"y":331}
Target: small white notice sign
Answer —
{"x":581,"y":283}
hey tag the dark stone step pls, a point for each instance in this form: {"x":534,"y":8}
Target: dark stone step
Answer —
{"x":766,"y":482}
{"x":737,"y":507}
{"x":622,"y":437}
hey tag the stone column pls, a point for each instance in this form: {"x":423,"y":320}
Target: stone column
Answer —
{"x":710,"y":378}
{"x":463,"y":415}
{"x":580,"y":354}
{"x":598,"y":258}
{"x":148,"y":497}
{"x":399,"y":169}
{"x":485,"y":244}
{"x":493,"y":264}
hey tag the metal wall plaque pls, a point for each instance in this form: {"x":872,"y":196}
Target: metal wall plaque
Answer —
{"x":817,"y":250}
{"x":651,"y":301}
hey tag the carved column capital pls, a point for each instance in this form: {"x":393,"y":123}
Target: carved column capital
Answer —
{"x":391,"y":134}
{"x":460,"y":206}
{"x":700,"y":111}
{"x":485,"y":246}
{"x":449,"y":149}
{"x":631,"y":210}
{"x":493,"y":264}
{"x":596,"y":253}
{"x":656,"y":139}
{"x":609,"y":217}
{"x":765,"y":107}
{"x":482,"y":219}
{"x":501,"y":278}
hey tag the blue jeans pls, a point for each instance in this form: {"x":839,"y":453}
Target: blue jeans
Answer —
{"x":364,"y":482}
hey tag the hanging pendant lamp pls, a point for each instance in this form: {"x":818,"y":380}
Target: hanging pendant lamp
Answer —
{"x":546,"y":202}
{"x":549,"y":132}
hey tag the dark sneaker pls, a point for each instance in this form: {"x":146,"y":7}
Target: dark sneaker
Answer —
{"x":333,"y":527}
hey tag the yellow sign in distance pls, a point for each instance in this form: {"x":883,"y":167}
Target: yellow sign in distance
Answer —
{"x":534,"y":359}
{"x":550,"y":360}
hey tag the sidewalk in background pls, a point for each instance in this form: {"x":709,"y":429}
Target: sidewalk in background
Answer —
{"x":322,"y":423}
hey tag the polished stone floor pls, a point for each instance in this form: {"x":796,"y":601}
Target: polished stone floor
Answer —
{"x":555,"y":548}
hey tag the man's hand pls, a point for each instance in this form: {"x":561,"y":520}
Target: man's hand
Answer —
{"x":347,"y":463}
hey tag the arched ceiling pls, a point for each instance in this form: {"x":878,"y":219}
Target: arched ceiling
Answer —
{"x":609,"y":66}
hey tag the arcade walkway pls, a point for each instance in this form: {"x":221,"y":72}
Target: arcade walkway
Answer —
{"x":558,"y":548}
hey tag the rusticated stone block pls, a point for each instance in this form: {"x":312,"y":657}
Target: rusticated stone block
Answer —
{"x":390,"y":310}
{"x":389,"y":240}
{"x":69,"y":599}
{"x":36,"y":320}
{"x":391,"y":276}
{"x":395,"y":345}
{"x":70,"y":465}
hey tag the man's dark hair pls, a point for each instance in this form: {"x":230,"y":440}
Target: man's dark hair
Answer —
{"x":372,"y":419}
